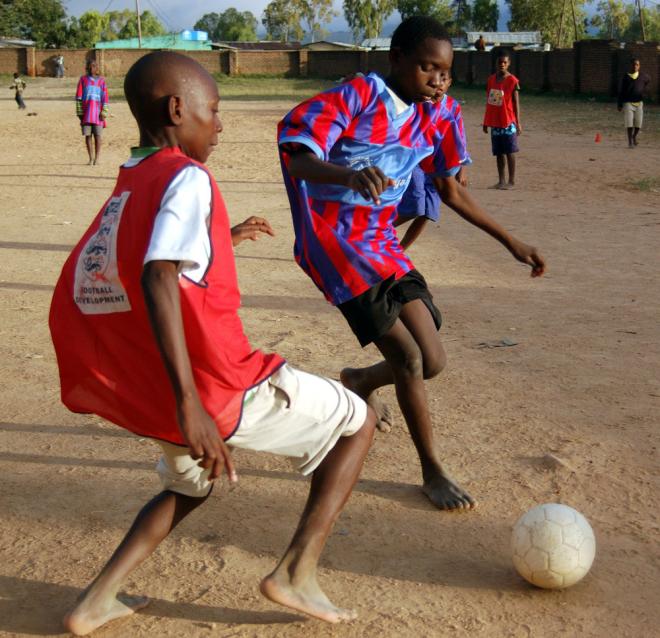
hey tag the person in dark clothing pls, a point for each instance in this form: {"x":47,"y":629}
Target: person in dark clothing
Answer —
{"x":631,"y":100}
{"x":480,"y":44}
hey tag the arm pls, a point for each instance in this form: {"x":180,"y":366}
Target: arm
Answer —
{"x":413,"y":232}
{"x":370,"y":182}
{"x":459,"y":200}
{"x":104,"y":101}
{"x":516,"y":109}
{"x":160,"y":286}
{"x":250,"y":229}
{"x":79,"y":97}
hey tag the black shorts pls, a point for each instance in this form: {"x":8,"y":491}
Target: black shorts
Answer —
{"x":371,"y":314}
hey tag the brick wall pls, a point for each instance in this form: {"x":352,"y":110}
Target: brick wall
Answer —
{"x":267,"y":62}
{"x":482,"y":66}
{"x":596,"y":73}
{"x":13,"y":61}
{"x":333,"y":64}
{"x":460,"y":70}
{"x":74,"y":61}
{"x":531,"y":66}
{"x":561,"y":70}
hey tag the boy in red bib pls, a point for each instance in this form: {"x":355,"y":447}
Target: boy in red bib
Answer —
{"x":144,"y":320}
{"x":503,"y":117}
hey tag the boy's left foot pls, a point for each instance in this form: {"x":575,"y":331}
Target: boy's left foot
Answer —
{"x":86,"y":617}
{"x":307,"y":597}
{"x":447,"y":495}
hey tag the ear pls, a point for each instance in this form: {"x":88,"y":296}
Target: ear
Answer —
{"x":394,"y":56}
{"x":175,"y":109}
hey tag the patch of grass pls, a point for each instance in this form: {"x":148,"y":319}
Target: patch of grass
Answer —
{"x":647,"y":184}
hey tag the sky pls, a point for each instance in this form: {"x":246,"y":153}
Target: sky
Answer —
{"x":177,"y":14}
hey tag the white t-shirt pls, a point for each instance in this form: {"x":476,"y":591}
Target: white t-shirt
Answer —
{"x":181,"y":227}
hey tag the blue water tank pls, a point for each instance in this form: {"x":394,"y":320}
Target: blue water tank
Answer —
{"x":199,"y":36}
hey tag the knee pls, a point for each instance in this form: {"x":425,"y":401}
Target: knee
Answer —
{"x":435,"y":364}
{"x":410,"y":363}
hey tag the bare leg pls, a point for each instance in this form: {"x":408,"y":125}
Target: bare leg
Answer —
{"x":511,"y":163}
{"x":293,"y":582}
{"x":634,"y":135}
{"x":100,"y":602}
{"x":629,"y":131}
{"x":500,"y":171}
{"x":88,"y":144}
{"x":97,"y":148}
{"x":413,"y":352}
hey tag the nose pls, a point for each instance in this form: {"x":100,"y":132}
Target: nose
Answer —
{"x":218,"y":125}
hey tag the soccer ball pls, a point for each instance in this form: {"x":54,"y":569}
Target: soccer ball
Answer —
{"x":553,"y":546}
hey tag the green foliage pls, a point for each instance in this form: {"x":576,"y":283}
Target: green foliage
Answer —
{"x":619,"y":20}
{"x":149,"y":25}
{"x":281,"y":19}
{"x":485,"y":14}
{"x":316,"y":13}
{"x":43,"y":21}
{"x":230,"y":25}
{"x":545,"y":16}
{"x":438,"y":9}
{"x":365,"y":17}
{"x":90,"y":28}
{"x":462,"y":16}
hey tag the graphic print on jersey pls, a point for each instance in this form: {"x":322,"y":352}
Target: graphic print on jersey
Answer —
{"x":97,"y":287}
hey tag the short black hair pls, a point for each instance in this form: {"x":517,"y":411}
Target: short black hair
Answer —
{"x":502,"y":53}
{"x":414,"y":30}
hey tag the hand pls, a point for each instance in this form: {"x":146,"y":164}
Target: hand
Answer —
{"x":519,"y":128}
{"x":619,"y":108}
{"x":528,"y":255}
{"x":485,"y":128}
{"x":461,"y":178}
{"x":370,"y":182}
{"x":201,"y":436}
{"x":250,"y":229}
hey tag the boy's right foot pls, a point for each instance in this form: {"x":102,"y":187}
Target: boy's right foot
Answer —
{"x":307,"y":597}
{"x":350,"y":378}
{"x":447,"y":495}
{"x":86,"y":616}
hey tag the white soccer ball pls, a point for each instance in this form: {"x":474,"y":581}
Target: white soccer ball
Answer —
{"x":553,"y":546}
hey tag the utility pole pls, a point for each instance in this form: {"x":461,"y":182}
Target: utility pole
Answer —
{"x":641,"y":19}
{"x":139,"y":26}
{"x":574,"y":19}
{"x":561,"y":23}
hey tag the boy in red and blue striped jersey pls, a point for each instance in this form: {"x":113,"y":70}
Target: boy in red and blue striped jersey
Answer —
{"x":347,"y":155}
{"x":92,"y":109}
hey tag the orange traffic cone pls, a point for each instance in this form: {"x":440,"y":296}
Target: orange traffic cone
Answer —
{"x":598,"y":138}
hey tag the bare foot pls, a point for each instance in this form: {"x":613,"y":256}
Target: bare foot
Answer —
{"x":88,"y":616}
{"x":509,"y":186}
{"x":350,"y":378}
{"x":447,"y":495}
{"x":307,"y":598}
{"x":90,"y":162}
{"x":499,"y":185}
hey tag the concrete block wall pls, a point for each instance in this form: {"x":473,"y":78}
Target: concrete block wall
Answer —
{"x":334,"y":64}
{"x":267,"y":62}
{"x":531,"y":65}
{"x":596,"y":72}
{"x":75,"y":61}
{"x":483,"y":65}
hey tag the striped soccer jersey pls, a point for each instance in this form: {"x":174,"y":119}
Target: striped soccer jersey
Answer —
{"x":92,"y":98}
{"x":344,"y":242}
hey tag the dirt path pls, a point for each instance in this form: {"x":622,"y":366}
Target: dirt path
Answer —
{"x":582,"y":383}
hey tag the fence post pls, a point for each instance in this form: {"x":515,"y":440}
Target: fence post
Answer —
{"x":31,"y":61}
{"x":303,"y":63}
{"x":233,"y":62}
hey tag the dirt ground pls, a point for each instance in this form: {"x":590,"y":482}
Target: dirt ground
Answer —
{"x":581,"y":382}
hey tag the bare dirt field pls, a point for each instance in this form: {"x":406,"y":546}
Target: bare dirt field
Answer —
{"x":581,"y":382}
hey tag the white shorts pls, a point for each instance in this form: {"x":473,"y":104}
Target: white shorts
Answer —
{"x":292,"y":413}
{"x":633,"y":115}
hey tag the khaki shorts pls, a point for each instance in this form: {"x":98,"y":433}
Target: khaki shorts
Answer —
{"x":633,"y":115}
{"x":292,"y":413}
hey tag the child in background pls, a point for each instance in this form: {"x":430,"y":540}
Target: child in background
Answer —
{"x":630,"y":99}
{"x":92,"y":109}
{"x":346,"y":156}
{"x":18,"y":85}
{"x":503,"y":118}
{"x":144,"y":320}
{"x":421,"y":201}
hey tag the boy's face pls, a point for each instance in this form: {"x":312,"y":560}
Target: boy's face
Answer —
{"x":503,"y":63}
{"x":93,"y":68}
{"x":634,"y":66}
{"x":197,"y":134}
{"x":421,"y":74}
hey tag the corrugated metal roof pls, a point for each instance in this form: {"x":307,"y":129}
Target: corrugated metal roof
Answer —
{"x":506,"y":37}
{"x":376,"y":43}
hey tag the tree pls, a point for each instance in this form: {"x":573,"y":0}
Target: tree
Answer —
{"x":281,"y":19}
{"x":651,"y":24}
{"x":611,"y":19}
{"x":485,"y":14}
{"x":209,"y":23}
{"x":149,"y":26}
{"x":316,"y":13}
{"x":43,"y":21}
{"x":462,"y":15}
{"x":90,"y":28}
{"x":365,"y":17}
{"x":438,"y":9}
{"x":546,"y":16}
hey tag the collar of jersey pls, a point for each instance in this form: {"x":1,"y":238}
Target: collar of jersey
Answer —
{"x":389,"y":102}
{"x":140,"y":152}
